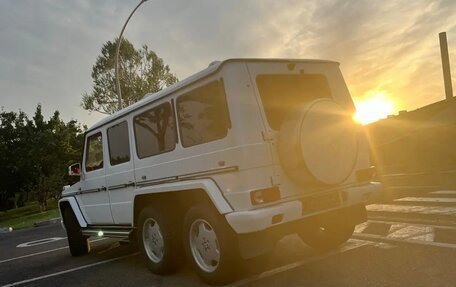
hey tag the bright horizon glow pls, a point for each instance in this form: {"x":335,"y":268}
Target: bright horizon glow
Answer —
{"x":375,"y":107}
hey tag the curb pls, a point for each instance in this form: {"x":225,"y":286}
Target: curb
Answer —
{"x":47,"y":222}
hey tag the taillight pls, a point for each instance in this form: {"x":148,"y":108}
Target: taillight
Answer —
{"x":262,"y":196}
{"x":366,"y":174}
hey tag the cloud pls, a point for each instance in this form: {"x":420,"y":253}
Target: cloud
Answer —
{"x":48,"y":47}
{"x":381,"y":45}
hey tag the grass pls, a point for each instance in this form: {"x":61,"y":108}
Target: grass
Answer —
{"x":27,"y":215}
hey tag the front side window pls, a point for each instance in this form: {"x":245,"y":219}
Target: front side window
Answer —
{"x":203,"y":114}
{"x":118,"y":143}
{"x":280,"y":93}
{"x":155,"y":131}
{"x":94,"y":152}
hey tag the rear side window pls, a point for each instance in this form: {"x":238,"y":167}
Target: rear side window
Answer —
{"x":119,"y":145}
{"x":280,"y":93}
{"x":155,"y":131}
{"x":94,"y":152}
{"x":203,"y":114}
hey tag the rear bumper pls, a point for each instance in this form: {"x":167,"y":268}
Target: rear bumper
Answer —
{"x":264,"y":218}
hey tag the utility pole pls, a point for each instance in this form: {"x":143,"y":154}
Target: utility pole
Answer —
{"x":446,"y":65}
{"x":119,"y":40}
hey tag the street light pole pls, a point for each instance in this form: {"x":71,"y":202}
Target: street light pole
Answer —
{"x":119,"y":40}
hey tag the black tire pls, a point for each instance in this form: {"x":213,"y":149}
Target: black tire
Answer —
{"x":325,"y":236}
{"x":160,"y":258}
{"x":223,"y":269}
{"x":133,"y":240}
{"x":78,"y":243}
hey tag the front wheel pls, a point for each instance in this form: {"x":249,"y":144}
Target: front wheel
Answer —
{"x":211,"y":246}
{"x":78,"y":243}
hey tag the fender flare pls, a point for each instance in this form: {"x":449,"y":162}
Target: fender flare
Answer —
{"x":209,"y":186}
{"x":75,"y":207}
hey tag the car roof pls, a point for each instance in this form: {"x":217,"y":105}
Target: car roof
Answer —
{"x":211,"y":69}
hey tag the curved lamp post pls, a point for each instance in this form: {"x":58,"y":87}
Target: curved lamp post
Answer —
{"x":119,"y":40}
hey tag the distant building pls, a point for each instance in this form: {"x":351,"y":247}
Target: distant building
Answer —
{"x":423,"y":140}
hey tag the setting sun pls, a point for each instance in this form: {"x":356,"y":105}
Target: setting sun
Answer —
{"x":373,"y":108}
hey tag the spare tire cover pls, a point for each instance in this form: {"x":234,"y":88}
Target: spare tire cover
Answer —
{"x":318,"y":143}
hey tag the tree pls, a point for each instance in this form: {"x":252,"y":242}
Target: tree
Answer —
{"x":140,"y":71}
{"x":34,"y":156}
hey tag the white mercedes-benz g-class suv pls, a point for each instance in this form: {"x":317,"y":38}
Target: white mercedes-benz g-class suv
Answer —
{"x":222,"y":165}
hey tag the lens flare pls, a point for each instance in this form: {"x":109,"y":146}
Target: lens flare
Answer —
{"x":371,"y":109}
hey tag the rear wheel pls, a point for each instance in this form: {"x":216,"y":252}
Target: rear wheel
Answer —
{"x":327,"y":235}
{"x":158,"y":241}
{"x":211,"y":246}
{"x":78,"y":243}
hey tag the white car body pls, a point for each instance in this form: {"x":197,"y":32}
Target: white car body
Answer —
{"x":228,"y":169}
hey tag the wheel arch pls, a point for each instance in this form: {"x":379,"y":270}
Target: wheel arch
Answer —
{"x":181,"y":196}
{"x":70,"y":202}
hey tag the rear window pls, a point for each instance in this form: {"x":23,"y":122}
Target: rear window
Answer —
{"x":280,"y":93}
{"x":155,"y":131}
{"x":203,"y":114}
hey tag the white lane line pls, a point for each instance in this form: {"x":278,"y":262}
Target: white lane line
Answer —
{"x":426,"y":199}
{"x":350,"y":245}
{"x":379,"y":238}
{"x":434,"y":210}
{"x":361,"y":227}
{"x":69,"y":270}
{"x":39,"y":242}
{"x":450,"y":192}
{"x":408,"y":223}
{"x":405,"y":231}
{"x":33,"y":254}
{"x":43,"y":252}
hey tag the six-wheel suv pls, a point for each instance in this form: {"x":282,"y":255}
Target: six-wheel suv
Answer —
{"x":222,"y":165}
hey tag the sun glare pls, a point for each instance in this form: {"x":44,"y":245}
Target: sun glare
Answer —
{"x":373,"y":108}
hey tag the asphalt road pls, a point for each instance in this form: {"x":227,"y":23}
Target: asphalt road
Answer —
{"x":371,"y":261}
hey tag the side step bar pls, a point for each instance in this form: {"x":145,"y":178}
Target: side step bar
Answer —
{"x":107,"y":232}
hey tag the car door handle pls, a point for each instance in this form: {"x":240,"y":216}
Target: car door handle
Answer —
{"x":103,"y":188}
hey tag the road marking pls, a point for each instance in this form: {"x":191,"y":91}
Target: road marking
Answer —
{"x":43,"y":252}
{"x":39,"y":242}
{"x":380,"y":238}
{"x":427,"y":199}
{"x":69,"y":270}
{"x":34,"y":254}
{"x":435,"y":235}
{"x":440,"y":223}
{"x":350,"y":245}
{"x":431,"y":210}
{"x":450,"y":192}
{"x":406,"y":231}
{"x":396,"y":221}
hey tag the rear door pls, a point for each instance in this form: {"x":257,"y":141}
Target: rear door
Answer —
{"x":120,"y":178}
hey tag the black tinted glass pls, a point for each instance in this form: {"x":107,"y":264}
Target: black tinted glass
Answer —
{"x":119,"y":146}
{"x":281,"y":93}
{"x":203,"y":114}
{"x":155,"y":131}
{"x":94,"y":152}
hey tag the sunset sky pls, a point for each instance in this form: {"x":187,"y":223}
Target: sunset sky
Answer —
{"x":388,"y":50}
